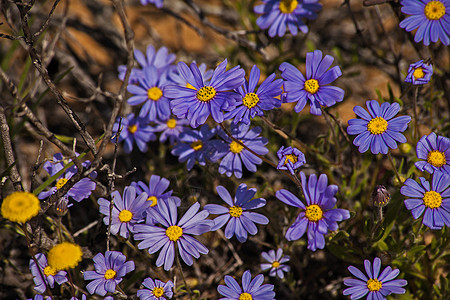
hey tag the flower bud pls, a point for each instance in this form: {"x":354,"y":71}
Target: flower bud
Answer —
{"x":61,"y":206}
{"x":380,"y":196}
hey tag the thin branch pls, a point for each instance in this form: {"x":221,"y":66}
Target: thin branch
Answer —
{"x":47,"y":21}
{"x":9,"y":154}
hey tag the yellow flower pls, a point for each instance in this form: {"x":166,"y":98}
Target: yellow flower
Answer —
{"x":20,"y":207}
{"x":64,"y":256}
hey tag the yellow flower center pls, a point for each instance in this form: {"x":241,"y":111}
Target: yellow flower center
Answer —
{"x":20,"y":207}
{"x":290,"y":158}
{"x":197,"y":145}
{"x":235,"y":211}
{"x":158,"y":292}
{"x":61,"y":182}
{"x":374,"y":285}
{"x":174,"y":233}
{"x":171,"y":123}
{"x":250,"y":100}
{"x":48,"y":270}
{"x":132,"y":129}
{"x":110,"y":274}
{"x":434,"y":10}
{"x":377,"y":125}
{"x":246,"y":296}
{"x":64,"y":255}
{"x":206,"y":93}
{"x":154,"y":200}
{"x":311,"y":86}
{"x":154,"y":93}
{"x":125,"y":216}
{"x":190,"y":86}
{"x":275,"y":264}
{"x":288,"y":6}
{"x":235,"y":147}
{"x":313,"y":213}
{"x":418,"y":73}
{"x":432,"y":199}
{"x":436,"y":158}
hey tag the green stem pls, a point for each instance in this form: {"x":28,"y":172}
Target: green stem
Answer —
{"x":177,"y":258}
{"x":416,"y":130}
{"x":394,"y":168}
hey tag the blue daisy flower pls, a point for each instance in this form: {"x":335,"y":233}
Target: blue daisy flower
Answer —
{"x":435,"y":152}
{"x":196,"y":145}
{"x":157,"y":3}
{"x":254,"y":102}
{"x":318,"y":215}
{"x":109,"y":270}
{"x":234,"y":154}
{"x":172,"y":231}
{"x":170,"y":129}
{"x":432,"y":199}
{"x":277,"y":14}
{"x":134,"y":129}
{"x":177,"y":78}
{"x":156,"y":290}
{"x":240,"y":219}
{"x":156,"y":191}
{"x":419,"y":73}
{"x":80,"y":190}
{"x":126,"y":212}
{"x":290,"y":159}
{"x":251,"y":289}
{"x":160,"y":59}
{"x":430,"y":17}
{"x":198,"y":103}
{"x":150,"y":91}
{"x":276,"y":263}
{"x":315,"y":86}
{"x":374,"y":285}
{"x":51,"y":275}
{"x":377,"y":129}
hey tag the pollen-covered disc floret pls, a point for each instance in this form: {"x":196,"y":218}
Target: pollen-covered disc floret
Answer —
{"x":318,"y":215}
{"x":252,"y":289}
{"x":378,"y":129}
{"x":238,"y":217}
{"x":375,"y":285}
{"x":20,"y":207}
{"x":276,"y":263}
{"x":64,"y":256}
{"x":430,"y":18}
{"x":430,"y":200}
{"x":109,"y":270}
{"x":434,"y":153}
{"x":315,"y":86}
